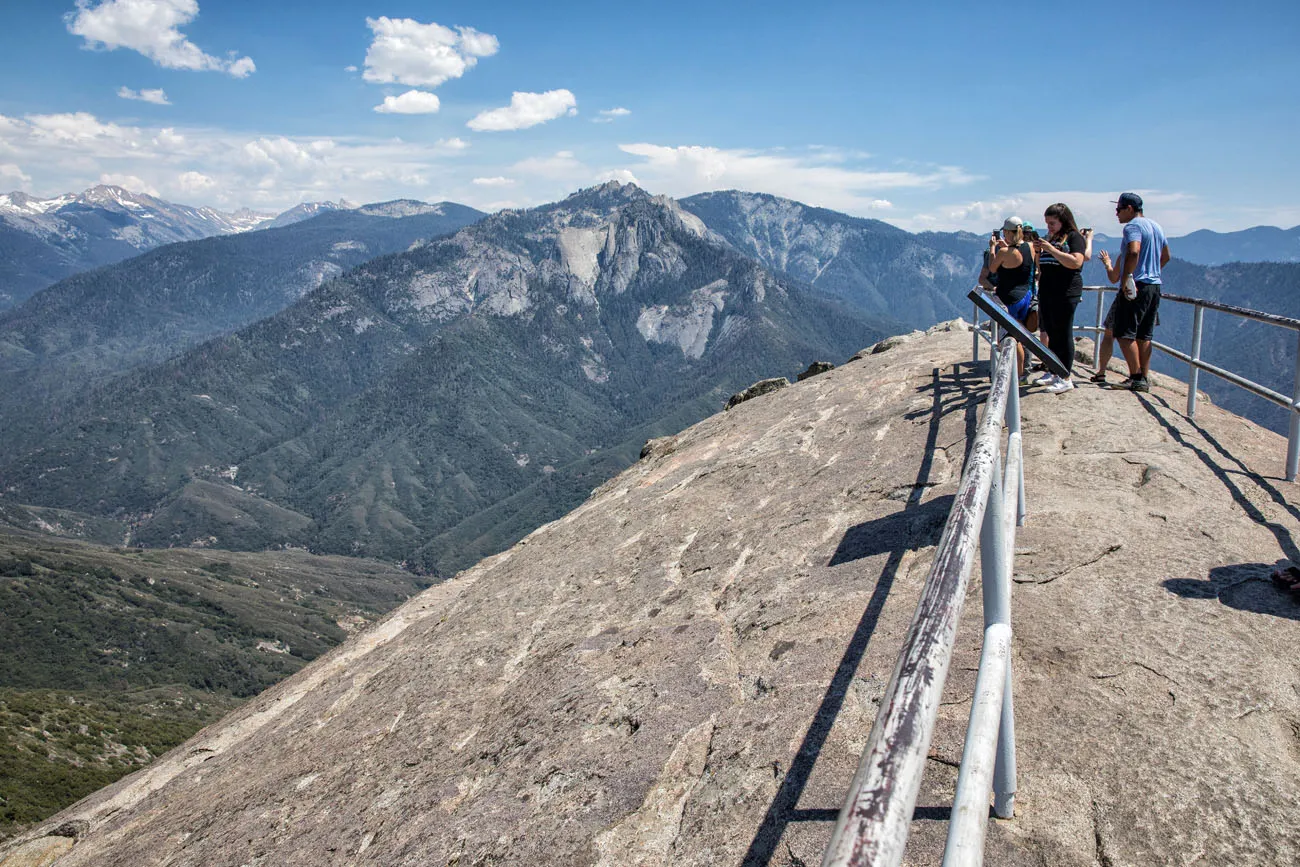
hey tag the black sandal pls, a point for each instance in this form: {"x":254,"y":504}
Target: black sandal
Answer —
{"x":1098,"y":377}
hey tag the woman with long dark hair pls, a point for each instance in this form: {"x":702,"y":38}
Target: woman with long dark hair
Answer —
{"x":1060,"y":287}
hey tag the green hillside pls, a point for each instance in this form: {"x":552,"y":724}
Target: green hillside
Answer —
{"x":111,"y":656}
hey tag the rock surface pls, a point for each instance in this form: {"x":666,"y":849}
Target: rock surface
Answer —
{"x":685,"y":669}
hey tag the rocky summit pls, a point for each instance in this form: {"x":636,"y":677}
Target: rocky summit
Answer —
{"x":684,"y":670}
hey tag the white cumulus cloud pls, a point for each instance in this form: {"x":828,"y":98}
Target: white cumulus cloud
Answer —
{"x":494,"y":182}
{"x":411,"y":102}
{"x":241,"y":68}
{"x":128,"y":182}
{"x":76,"y":126}
{"x":623,"y":176}
{"x":10,"y":173}
{"x":821,"y":178}
{"x":1091,"y":208}
{"x":525,"y":110}
{"x":230,"y":169}
{"x":405,"y":51}
{"x":151,"y":27}
{"x":157,"y":97}
{"x":195,"y":182}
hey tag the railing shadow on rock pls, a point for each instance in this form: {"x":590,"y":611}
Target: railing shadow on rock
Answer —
{"x":873,"y":824}
{"x":917,"y":525}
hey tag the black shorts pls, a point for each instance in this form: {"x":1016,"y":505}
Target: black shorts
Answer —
{"x":1136,"y":319}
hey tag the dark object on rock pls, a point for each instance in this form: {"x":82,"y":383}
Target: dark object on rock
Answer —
{"x":658,"y":447}
{"x":761,"y":387}
{"x":1287,"y":578}
{"x":815,"y":368}
{"x":74,"y":829}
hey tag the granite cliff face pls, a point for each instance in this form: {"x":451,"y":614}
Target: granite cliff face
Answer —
{"x":916,"y":280}
{"x":684,"y":669}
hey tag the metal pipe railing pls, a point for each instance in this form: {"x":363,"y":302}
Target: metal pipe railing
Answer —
{"x":1195,"y":364}
{"x":874,"y":821}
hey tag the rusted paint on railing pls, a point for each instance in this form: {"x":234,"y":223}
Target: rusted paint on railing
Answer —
{"x":874,"y":822}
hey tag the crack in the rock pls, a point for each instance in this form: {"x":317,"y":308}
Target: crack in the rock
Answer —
{"x":1160,"y":674}
{"x":795,"y":860}
{"x":1103,"y":857}
{"x":943,"y":760}
{"x":1104,"y":554}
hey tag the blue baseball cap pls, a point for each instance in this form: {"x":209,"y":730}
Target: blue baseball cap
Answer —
{"x":1129,"y":199}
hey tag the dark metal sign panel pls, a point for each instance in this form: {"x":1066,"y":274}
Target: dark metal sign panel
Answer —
{"x":999,"y":314}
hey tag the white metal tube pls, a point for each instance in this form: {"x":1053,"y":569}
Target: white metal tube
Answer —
{"x":975,"y":335}
{"x":1194,"y":375}
{"x":993,"y":550}
{"x":1293,"y":441}
{"x":1101,"y":329}
{"x":1013,"y":486}
{"x":873,"y":824}
{"x":970,"y":809}
{"x":1004,"y":772}
{"x":1013,"y":428}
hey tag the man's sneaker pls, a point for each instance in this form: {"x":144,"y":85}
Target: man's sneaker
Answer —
{"x":1060,"y":386}
{"x":1046,"y":378}
{"x":1138,"y":383}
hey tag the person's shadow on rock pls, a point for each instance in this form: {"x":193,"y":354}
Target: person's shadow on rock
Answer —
{"x":1244,"y":586}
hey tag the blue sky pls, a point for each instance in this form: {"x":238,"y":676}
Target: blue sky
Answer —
{"x":940,"y":115}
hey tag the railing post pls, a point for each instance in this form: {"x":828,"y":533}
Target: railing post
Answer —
{"x":1293,"y":441}
{"x":1013,"y":427}
{"x":975,"y":335}
{"x":970,"y":808}
{"x":1004,"y":769}
{"x":995,"y":567}
{"x":993,"y":552}
{"x":1198,"y":319}
{"x":1101,"y":328}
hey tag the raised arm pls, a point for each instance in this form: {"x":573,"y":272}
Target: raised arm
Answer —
{"x":1112,"y":270}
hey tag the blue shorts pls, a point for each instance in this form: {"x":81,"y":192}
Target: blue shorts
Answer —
{"x":1020,"y":310}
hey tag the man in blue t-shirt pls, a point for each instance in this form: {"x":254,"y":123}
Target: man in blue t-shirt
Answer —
{"x":1144,"y":252}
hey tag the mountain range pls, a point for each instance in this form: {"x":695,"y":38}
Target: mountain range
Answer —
{"x":146,"y":309}
{"x":911,"y":280}
{"x":436,"y":404}
{"x":43,"y":241}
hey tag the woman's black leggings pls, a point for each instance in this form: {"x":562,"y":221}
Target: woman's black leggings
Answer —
{"x":1056,"y":317}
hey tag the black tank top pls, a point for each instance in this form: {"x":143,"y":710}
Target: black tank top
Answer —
{"x":1013,"y":283}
